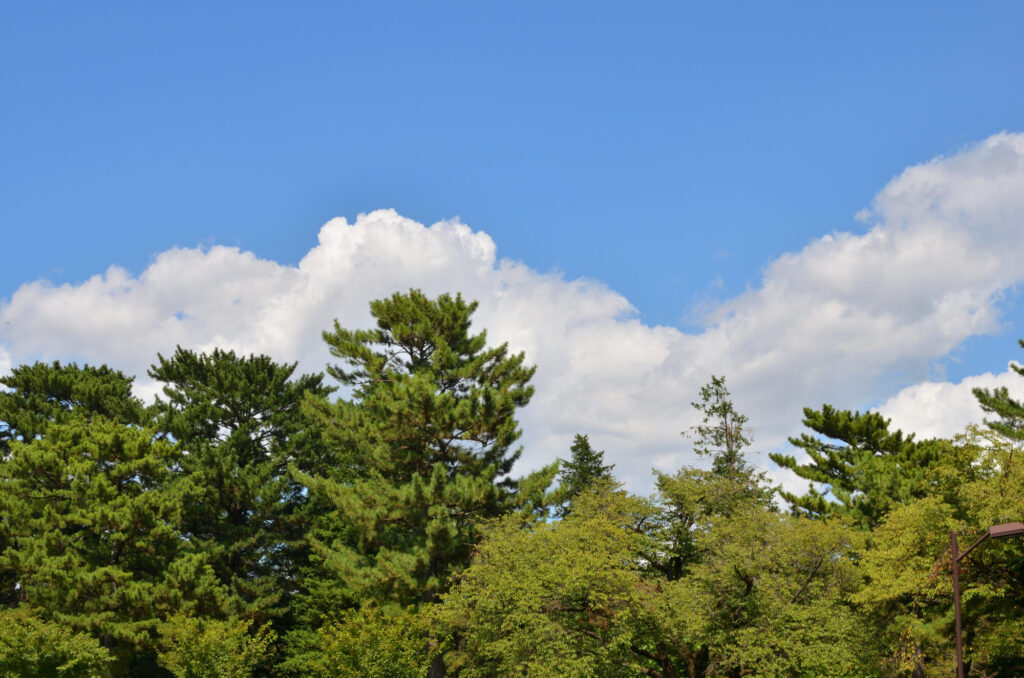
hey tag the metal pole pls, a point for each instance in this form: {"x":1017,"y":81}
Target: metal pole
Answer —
{"x":956,"y":604}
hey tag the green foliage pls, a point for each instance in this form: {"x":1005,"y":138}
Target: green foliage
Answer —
{"x":428,"y":435}
{"x":584,"y":470}
{"x":979,"y":482}
{"x":33,"y":648}
{"x":769,"y":598}
{"x":384,"y":534}
{"x":40,"y":394}
{"x":567,"y":598}
{"x":868,"y":471}
{"x":34,"y":397}
{"x":372,"y":643}
{"x":93,"y":529}
{"x":238,"y":422}
{"x":191,"y":647}
{"x":721,"y":434}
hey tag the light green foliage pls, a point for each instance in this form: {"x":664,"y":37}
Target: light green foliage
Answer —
{"x":237,"y":421}
{"x":770,"y":593}
{"x":866,"y":468}
{"x":909,"y":590}
{"x":428,"y":435}
{"x":979,"y":482}
{"x":33,"y":648}
{"x":567,"y":598}
{"x":372,"y":643}
{"x":191,"y":647}
{"x":584,"y":470}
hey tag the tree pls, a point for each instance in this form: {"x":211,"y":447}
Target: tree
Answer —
{"x":867,"y":472}
{"x":372,"y":643}
{"x":33,"y":648}
{"x":41,"y":394}
{"x":192,"y":647}
{"x":428,"y":435}
{"x":691,"y":498}
{"x":238,"y":423}
{"x":1010,"y":411}
{"x":37,"y":396}
{"x":584,"y":470}
{"x":563,"y":598}
{"x":767,"y":597}
{"x":721,"y":434}
{"x":93,"y":522}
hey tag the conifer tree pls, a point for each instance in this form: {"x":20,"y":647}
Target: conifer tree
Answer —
{"x":1010,"y":411}
{"x":429,"y":433}
{"x":721,"y":434}
{"x":864,"y":466}
{"x":93,"y":521}
{"x":38,"y":395}
{"x":238,"y":422}
{"x":582,"y":471}
{"x":34,"y":397}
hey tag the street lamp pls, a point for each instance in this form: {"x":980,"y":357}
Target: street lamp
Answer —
{"x":1004,"y":530}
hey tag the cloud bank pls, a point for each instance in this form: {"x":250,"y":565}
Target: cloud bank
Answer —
{"x":850,"y":319}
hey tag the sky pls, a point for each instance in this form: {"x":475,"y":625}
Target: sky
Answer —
{"x":824,"y":202}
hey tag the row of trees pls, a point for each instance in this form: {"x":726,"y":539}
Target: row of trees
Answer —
{"x":251,"y":522}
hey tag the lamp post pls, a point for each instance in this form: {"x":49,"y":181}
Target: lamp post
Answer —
{"x":1004,"y":530}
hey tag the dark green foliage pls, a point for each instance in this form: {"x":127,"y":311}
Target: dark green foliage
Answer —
{"x":40,"y":394}
{"x":1010,"y":412}
{"x":585,"y":469}
{"x":36,"y":396}
{"x":94,"y":532}
{"x":868,"y":471}
{"x":428,"y":433}
{"x":239,"y":424}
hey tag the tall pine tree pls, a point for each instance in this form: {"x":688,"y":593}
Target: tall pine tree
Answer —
{"x":429,"y":433}
{"x":238,"y":421}
{"x":90,"y":513}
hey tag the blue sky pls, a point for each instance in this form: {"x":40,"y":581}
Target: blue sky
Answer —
{"x":670,"y":151}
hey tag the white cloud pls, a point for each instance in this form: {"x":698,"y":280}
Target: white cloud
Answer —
{"x":848,"y":320}
{"x":942,"y":409}
{"x":5,"y":362}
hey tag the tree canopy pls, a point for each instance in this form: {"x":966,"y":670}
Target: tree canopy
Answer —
{"x":258,"y":522}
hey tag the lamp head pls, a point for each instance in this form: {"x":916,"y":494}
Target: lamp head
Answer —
{"x":1006,"y":530}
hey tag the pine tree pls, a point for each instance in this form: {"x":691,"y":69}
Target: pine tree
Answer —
{"x":239,"y":424}
{"x":428,"y":431}
{"x":37,"y":396}
{"x":40,"y":394}
{"x":867,"y":472}
{"x":92,"y":520}
{"x":584,"y":470}
{"x":1010,"y":411}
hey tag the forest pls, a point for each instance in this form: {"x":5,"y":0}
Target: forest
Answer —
{"x":367,"y":521}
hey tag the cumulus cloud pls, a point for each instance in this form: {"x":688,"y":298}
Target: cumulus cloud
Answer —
{"x":850,"y":319}
{"x":942,"y":409}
